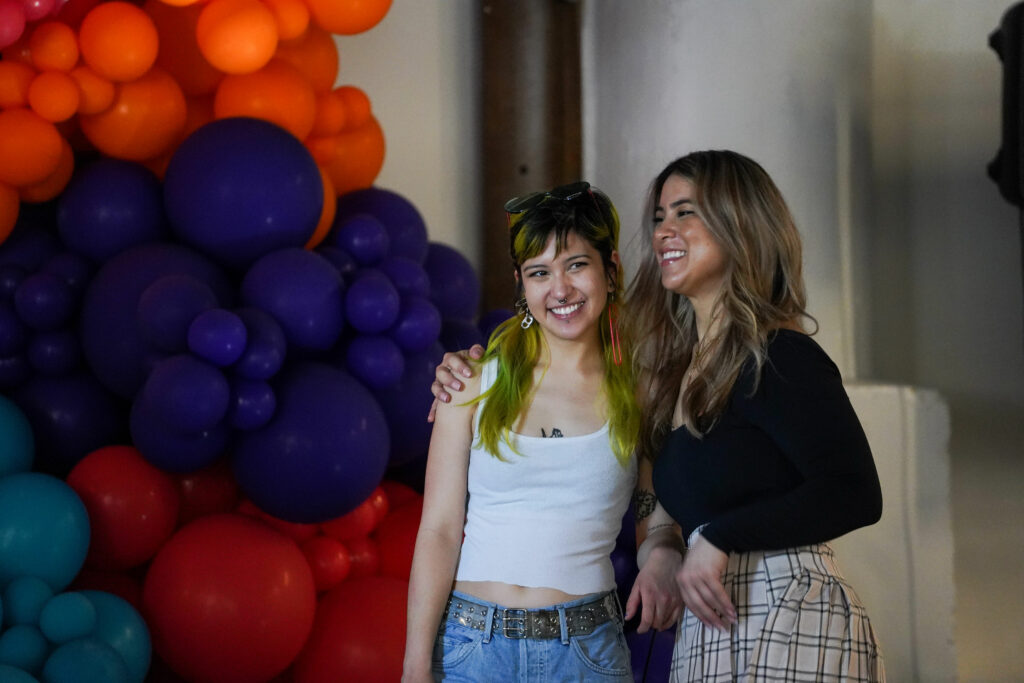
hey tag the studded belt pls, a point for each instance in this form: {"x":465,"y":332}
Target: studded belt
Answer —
{"x":514,"y":622}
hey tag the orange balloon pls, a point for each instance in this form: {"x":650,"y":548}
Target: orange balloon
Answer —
{"x":179,"y":3}
{"x":330,"y":114}
{"x":9,"y":207}
{"x":73,"y":11}
{"x":30,"y":147}
{"x":97,"y":92}
{"x":277,"y":93}
{"x":54,"y":95}
{"x":327,"y":213}
{"x":15,"y":78}
{"x":118,"y":40}
{"x":357,"y":106}
{"x":314,"y":54}
{"x":179,"y":52}
{"x":359,"y":156}
{"x":348,"y":16}
{"x":53,"y":46}
{"x":322,"y":149}
{"x":144,"y":121}
{"x":292,"y":17}
{"x":237,"y":36}
{"x":55,"y":183}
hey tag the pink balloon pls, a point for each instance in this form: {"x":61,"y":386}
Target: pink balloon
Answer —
{"x":37,"y":9}
{"x":12,"y":22}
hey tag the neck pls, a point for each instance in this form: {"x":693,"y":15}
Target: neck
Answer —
{"x":705,"y":316}
{"x":570,"y":354}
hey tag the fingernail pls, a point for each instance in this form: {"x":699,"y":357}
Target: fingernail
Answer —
{"x":465,"y":373}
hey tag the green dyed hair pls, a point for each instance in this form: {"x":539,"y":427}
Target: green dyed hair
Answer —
{"x":593,"y":218}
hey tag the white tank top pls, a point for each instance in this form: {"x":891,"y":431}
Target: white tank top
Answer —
{"x":548,"y":516}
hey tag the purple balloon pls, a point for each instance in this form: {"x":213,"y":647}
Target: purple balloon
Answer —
{"x":459,"y":334}
{"x":217,"y":336}
{"x":167,"y":309}
{"x":13,"y":333}
{"x":71,"y":416}
{"x":252,"y":404}
{"x":111,"y":335}
{"x":491,"y":319}
{"x":14,"y":371}
{"x":323,"y":452}
{"x":55,"y":353}
{"x":406,"y":275}
{"x":74,"y":269}
{"x":172,"y":450}
{"x":375,"y":360}
{"x":406,"y":404}
{"x":240,"y":188}
{"x":418,"y":325}
{"x":32,"y":242}
{"x":189,"y":394}
{"x":372,"y":303}
{"x":454,"y":287}
{"x":303,"y":291}
{"x":340,"y":259}
{"x":111,"y":205}
{"x":397,"y":214}
{"x":44,"y":301}
{"x":265,"y":347}
{"x":362,"y":236}
{"x":11,"y":276}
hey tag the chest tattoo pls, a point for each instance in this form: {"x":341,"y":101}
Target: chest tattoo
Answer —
{"x":555,"y":433}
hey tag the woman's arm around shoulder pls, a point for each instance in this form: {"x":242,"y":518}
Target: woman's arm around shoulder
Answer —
{"x":440,"y":534}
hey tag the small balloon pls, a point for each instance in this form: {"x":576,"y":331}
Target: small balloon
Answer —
{"x":372,"y":303}
{"x":217,"y":336}
{"x":67,"y":616}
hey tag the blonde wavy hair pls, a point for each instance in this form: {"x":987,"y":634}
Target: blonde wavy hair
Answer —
{"x":748,"y":217}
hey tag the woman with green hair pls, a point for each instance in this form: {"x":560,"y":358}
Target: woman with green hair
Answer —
{"x":529,"y":476}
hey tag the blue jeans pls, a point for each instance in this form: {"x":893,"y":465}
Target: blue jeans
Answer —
{"x":466,"y":655}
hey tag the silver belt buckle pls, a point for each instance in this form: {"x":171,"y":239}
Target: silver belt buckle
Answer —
{"x":513,"y":622}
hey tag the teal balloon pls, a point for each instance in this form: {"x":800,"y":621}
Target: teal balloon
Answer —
{"x":120,"y":626}
{"x":44,"y":529}
{"x":17,"y":445}
{"x":23,"y":647}
{"x":86,"y":660}
{"x":24,"y":598}
{"x":9,"y":674}
{"x":66,"y":617}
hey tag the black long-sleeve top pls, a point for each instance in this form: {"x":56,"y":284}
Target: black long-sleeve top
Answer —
{"x":787,"y":466}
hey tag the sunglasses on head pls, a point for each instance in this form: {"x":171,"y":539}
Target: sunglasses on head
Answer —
{"x":565,"y":193}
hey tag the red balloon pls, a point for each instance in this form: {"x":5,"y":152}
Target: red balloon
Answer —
{"x":132,"y":506}
{"x":399,"y":494}
{"x":207,"y":491}
{"x":363,"y":554}
{"x":358,"y":635}
{"x":229,"y":599}
{"x":379,"y":502}
{"x":329,"y":561}
{"x":356,"y":524}
{"x":396,"y":538}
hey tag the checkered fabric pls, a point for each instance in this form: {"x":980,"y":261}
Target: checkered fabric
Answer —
{"x":798,"y":620}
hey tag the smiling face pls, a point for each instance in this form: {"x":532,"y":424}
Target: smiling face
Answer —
{"x":692,"y":262}
{"x":567,"y":289}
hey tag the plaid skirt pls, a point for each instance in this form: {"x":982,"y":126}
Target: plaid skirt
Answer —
{"x":797,"y":620}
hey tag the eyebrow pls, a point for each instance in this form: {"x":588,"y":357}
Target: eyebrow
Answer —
{"x":564,"y":258}
{"x":677,"y":203}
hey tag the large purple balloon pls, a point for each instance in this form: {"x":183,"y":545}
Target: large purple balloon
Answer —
{"x":111,"y":205}
{"x":71,"y":416}
{"x":372,"y":303}
{"x":44,"y":301}
{"x":454,"y":286}
{"x":168,"y":307}
{"x":403,"y":222}
{"x":110,"y":329}
{"x":406,"y":405}
{"x":55,"y":353}
{"x":418,"y":324}
{"x":304,"y":293}
{"x":172,"y":450}
{"x":322,"y":453}
{"x":239,"y":188}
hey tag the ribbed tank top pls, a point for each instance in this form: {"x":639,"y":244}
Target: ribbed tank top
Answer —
{"x":547,"y":516}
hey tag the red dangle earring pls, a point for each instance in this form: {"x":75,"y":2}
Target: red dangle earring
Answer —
{"x":613,"y":332}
